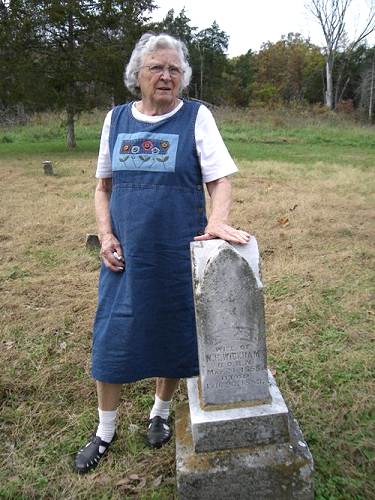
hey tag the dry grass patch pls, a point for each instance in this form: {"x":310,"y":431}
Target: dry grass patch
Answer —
{"x":316,"y":231}
{"x":314,"y":225}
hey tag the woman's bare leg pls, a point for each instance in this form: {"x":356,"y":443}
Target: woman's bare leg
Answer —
{"x":165,"y":387}
{"x":108,"y":395}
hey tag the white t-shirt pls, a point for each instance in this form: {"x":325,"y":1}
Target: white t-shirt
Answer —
{"x":213,"y":155}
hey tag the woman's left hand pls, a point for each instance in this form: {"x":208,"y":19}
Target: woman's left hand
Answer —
{"x":225,"y":232}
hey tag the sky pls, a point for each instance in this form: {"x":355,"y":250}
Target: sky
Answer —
{"x":251,"y":23}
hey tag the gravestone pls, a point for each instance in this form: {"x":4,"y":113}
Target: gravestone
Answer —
{"x":238,"y":438}
{"x":230,"y":326}
{"x":92,"y":242}
{"x":48,"y":167}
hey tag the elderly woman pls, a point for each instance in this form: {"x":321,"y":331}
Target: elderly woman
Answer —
{"x":155,"y":154}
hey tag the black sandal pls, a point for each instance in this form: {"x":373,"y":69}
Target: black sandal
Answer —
{"x":90,"y":455}
{"x":158,"y":432}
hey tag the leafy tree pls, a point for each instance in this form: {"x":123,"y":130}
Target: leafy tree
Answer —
{"x":366,"y":89}
{"x":86,"y":41}
{"x":348,"y":72}
{"x":177,"y":26}
{"x":21,"y":81}
{"x":70,"y":49}
{"x":288,"y":70}
{"x":67,"y":31}
{"x":209,"y":63}
{"x":239,"y":79}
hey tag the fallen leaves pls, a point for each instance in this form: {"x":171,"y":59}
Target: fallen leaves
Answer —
{"x":9,"y":344}
{"x":283,"y":221}
{"x":157,"y":481}
{"x":134,"y":483}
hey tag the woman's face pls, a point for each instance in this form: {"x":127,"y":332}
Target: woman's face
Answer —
{"x":160,"y":78}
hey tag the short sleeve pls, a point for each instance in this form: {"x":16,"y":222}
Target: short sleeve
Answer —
{"x":214,"y":156}
{"x":104,"y":167}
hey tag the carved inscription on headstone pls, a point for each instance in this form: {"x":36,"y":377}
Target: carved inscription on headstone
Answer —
{"x":230,"y":325}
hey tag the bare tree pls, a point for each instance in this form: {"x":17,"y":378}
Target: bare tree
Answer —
{"x":331,"y":17}
{"x":371,"y":99}
{"x":367,"y":89}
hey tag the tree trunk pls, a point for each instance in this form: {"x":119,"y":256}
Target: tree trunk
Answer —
{"x":339,"y":99}
{"x":338,"y":90}
{"x":70,"y":134}
{"x":329,"y":90}
{"x":201,"y":72}
{"x":370,"y":106}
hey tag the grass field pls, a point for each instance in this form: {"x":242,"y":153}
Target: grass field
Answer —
{"x":305,"y":189}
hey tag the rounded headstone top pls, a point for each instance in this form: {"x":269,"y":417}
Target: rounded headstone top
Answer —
{"x":204,"y":251}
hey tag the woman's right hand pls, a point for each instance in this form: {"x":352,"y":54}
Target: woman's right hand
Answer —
{"x":111,"y":253}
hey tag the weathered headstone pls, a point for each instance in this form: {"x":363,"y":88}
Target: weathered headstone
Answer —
{"x":48,"y":167}
{"x":92,"y":242}
{"x":239,"y":439}
{"x":230,"y":325}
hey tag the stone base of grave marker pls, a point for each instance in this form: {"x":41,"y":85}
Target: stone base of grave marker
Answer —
{"x":278,"y":471}
{"x":239,"y":427}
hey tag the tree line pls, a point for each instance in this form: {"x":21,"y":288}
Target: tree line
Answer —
{"x":70,"y":55}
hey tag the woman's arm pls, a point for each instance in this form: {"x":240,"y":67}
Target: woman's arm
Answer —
{"x":109,"y":243}
{"x":217,"y":227}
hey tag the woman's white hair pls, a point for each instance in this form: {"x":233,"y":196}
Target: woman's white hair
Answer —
{"x":148,"y":43}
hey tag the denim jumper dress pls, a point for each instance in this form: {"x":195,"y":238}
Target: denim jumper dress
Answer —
{"x":145,"y":322}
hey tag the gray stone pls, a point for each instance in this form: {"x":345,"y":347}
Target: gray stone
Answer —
{"x":229,"y":311}
{"x":281,"y":471}
{"x":92,"y":242}
{"x":241,"y":440}
{"x":48,"y":167}
{"x":239,"y":427}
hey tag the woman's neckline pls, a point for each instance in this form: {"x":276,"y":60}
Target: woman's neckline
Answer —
{"x":154,"y":118}
{"x":139,"y":108}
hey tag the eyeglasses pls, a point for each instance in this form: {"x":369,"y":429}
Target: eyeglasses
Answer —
{"x":158,"y":69}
